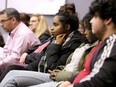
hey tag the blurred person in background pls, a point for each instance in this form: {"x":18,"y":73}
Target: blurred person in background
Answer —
{"x":66,"y":39}
{"x":39,"y":26}
{"x":81,"y":28}
{"x":25,"y":18}
{"x":75,"y":62}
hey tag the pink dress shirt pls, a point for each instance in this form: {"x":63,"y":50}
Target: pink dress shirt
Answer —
{"x":17,"y":42}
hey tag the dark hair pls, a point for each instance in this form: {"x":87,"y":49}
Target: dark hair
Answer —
{"x":69,"y":18}
{"x":11,"y":12}
{"x":25,"y":18}
{"x":104,"y":9}
{"x":86,"y":21}
{"x":68,"y":7}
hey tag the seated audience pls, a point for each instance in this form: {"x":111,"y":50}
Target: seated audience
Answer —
{"x":99,"y":71}
{"x":76,"y":61}
{"x":29,"y":55}
{"x":66,"y":40}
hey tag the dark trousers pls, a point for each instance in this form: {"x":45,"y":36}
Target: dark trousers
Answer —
{"x":6,"y":67}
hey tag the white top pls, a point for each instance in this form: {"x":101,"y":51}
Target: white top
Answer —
{"x":77,"y":55}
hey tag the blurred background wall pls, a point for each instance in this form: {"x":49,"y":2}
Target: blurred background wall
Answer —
{"x":82,"y":7}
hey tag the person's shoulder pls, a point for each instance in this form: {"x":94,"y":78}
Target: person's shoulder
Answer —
{"x":78,"y":34}
{"x":23,"y":29}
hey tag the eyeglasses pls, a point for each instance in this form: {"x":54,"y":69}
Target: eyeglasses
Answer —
{"x":33,"y":21}
{"x":1,"y":21}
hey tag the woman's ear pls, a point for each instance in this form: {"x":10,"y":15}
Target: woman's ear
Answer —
{"x":67,"y":27}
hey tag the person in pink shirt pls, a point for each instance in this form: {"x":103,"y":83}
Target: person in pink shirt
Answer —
{"x":20,"y":36}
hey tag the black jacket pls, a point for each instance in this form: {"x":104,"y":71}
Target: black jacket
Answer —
{"x":1,"y":41}
{"x":57,"y":54}
{"x":43,"y":38}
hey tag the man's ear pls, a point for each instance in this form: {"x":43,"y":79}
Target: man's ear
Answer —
{"x":108,"y":21}
{"x":14,"y":20}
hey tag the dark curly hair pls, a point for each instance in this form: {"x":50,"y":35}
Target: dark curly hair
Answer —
{"x":104,"y":9}
{"x":68,"y":7}
{"x":69,"y":15}
{"x":70,"y":18}
{"x":25,"y":18}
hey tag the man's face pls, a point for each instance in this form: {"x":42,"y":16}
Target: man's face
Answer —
{"x":98,"y":26}
{"x":6,"y":23}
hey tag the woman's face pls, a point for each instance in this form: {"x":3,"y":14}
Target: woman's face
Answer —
{"x":81,"y":29}
{"x":57,"y":27}
{"x":88,"y":33}
{"x":33,"y":22}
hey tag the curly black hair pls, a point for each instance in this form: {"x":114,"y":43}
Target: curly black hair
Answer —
{"x":104,"y":9}
{"x":70,"y":18}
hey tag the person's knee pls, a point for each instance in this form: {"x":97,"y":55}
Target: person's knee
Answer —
{"x":12,"y":72}
{"x":3,"y":67}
